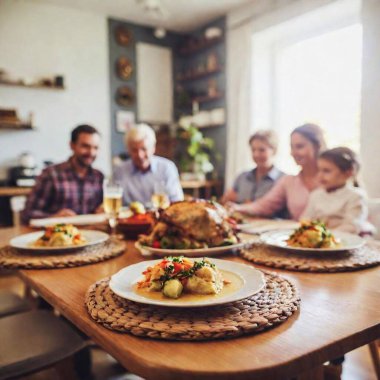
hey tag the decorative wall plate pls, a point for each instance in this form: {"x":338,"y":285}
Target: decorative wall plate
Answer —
{"x":124,"y":68}
{"x":125,"y":96}
{"x":123,"y":35}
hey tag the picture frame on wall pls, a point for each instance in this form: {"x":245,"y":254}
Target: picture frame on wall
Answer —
{"x":125,"y":120}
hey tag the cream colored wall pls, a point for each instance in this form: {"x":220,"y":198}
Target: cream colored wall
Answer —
{"x":37,"y":40}
{"x":370,"y":117}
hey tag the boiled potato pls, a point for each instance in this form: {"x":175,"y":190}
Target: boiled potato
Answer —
{"x":172,"y":288}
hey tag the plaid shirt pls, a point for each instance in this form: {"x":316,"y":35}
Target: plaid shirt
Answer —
{"x":59,"y":187}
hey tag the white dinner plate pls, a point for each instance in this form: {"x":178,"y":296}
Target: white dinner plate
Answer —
{"x":198,"y":252}
{"x":347,"y":241}
{"x":122,"y":283}
{"x":25,"y":241}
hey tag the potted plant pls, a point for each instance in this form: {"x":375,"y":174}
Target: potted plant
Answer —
{"x":195,"y":159}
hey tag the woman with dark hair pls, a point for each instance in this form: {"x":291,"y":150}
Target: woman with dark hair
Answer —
{"x":291,"y":191}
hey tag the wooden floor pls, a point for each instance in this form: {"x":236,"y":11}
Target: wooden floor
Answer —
{"x":357,"y":364}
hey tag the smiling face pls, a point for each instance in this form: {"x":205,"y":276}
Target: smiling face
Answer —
{"x":141,"y":153}
{"x":302,"y":150}
{"x":85,"y":148}
{"x":330,"y":176}
{"x":262,"y":153}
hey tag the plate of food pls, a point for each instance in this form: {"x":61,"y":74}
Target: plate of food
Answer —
{"x":183,"y":282}
{"x":60,"y":237}
{"x":313,"y":236}
{"x":135,"y":221}
{"x":191,"y":228}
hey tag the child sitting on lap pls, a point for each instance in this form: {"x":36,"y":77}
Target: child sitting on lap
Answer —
{"x":341,"y":205}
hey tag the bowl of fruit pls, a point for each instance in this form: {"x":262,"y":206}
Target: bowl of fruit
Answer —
{"x":137,"y":221}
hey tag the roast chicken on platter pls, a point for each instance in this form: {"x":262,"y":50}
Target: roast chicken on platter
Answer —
{"x":191,"y":224}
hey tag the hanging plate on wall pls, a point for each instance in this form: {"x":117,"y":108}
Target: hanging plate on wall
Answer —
{"x":125,"y":96}
{"x":124,"y":68}
{"x":123,"y":35}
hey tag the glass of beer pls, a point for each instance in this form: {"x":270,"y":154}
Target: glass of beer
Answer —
{"x":160,"y":199}
{"x":112,"y":201}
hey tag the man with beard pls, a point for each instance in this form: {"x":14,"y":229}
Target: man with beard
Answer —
{"x":71,"y":187}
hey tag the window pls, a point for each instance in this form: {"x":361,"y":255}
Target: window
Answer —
{"x":315,"y":79}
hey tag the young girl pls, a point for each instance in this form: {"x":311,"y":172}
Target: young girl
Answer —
{"x":339,"y":203}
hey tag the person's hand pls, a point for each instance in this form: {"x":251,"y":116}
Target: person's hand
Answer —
{"x":64,"y":212}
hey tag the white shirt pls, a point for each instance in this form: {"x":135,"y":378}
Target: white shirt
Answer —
{"x":139,"y":186}
{"x":344,"y":209}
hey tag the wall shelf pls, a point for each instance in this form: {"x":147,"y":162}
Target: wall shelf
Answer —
{"x":209,"y":126}
{"x":17,"y":127}
{"x":36,"y":86}
{"x":200,"y":75}
{"x":206,"y":98}
{"x":200,"y":45}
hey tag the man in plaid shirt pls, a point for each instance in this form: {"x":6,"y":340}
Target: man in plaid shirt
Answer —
{"x":71,"y":187}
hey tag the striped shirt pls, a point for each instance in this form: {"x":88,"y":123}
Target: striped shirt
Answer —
{"x":59,"y":187}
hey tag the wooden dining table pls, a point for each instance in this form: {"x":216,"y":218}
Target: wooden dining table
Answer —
{"x":338,"y":313}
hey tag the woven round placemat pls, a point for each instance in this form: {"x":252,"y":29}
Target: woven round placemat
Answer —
{"x":11,"y":258}
{"x":271,"y":306}
{"x":330,"y":262}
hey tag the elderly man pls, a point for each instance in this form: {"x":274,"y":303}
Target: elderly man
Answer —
{"x":144,"y":173}
{"x":71,"y":187}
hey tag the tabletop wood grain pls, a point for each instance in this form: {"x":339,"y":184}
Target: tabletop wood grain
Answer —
{"x":339,"y":312}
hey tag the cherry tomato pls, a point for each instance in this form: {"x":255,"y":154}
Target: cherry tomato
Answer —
{"x":177,"y":267}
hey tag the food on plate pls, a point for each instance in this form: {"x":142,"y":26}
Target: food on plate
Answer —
{"x":174,"y":276}
{"x":60,"y":235}
{"x":191,"y":224}
{"x":312,"y":234}
{"x":137,"y":222}
{"x":137,"y":219}
{"x":137,"y":208}
{"x":238,"y":217}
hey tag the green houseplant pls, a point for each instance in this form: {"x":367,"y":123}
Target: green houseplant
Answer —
{"x":195,"y":159}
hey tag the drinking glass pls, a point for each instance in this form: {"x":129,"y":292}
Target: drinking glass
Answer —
{"x":112,"y":201}
{"x":160,"y":199}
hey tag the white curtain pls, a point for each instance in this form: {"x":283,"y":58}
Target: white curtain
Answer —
{"x":239,"y":58}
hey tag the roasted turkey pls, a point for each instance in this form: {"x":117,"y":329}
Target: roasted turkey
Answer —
{"x":194,"y":224}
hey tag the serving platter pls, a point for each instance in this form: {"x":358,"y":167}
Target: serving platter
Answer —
{"x":198,"y":252}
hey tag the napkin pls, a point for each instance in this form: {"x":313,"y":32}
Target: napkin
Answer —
{"x":261,"y":226}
